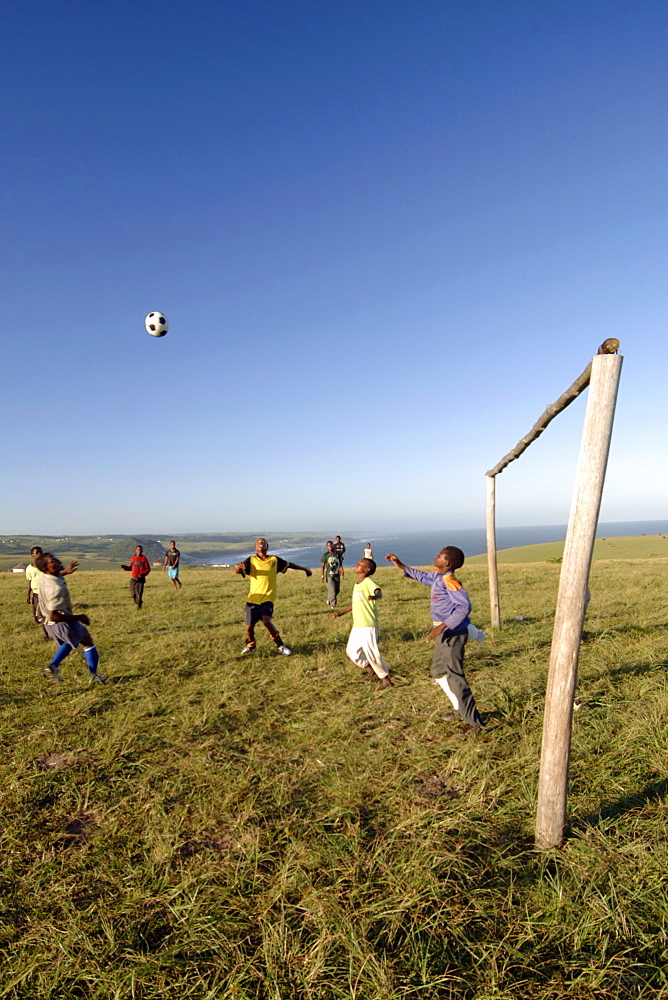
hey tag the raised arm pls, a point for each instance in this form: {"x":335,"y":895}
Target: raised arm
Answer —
{"x":303,"y":569}
{"x":395,"y":560}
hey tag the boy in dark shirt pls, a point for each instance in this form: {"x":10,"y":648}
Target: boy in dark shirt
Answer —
{"x":339,"y":550}
{"x":450,"y":607}
{"x":171,"y":563}
{"x":139,"y":567}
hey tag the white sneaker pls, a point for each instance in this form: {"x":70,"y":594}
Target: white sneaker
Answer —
{"x":247,"y":649}
{"x":97,"y":679}
{"x":285,"y":651}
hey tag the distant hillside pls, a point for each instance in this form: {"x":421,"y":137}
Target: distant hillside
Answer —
{"x":623,"y":547}
{"x":121,"y":549}
{"x":97,"y":552}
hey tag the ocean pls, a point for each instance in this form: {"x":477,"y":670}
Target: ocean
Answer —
{"x":418,"y":548}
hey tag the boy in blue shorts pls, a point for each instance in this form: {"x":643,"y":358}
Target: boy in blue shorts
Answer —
{"x":171,"y":563}
{"x":67,"y":629}
{"x":450,"y":607}
{"x":262,"y":570}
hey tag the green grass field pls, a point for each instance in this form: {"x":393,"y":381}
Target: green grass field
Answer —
{"x":209,"y":826}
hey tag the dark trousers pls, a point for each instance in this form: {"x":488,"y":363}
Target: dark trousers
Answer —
{"x":448,"y":669}
{"x":137,"y":590}
{"x":333,"y":586}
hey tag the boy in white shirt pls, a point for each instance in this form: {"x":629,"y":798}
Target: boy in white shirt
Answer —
{"x":67,"y":629}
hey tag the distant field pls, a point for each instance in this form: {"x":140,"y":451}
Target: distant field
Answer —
{"x":214,"y":827}
{"x":625,"y":547}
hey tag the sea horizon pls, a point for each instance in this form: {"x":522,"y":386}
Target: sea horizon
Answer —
{"x":418,"y":548}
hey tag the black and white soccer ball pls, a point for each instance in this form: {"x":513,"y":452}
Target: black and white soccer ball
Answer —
{"x":156,"y":324}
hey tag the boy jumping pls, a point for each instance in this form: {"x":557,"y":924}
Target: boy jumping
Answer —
{"x":67,"y":629}
{"x":262,"y":570}
{"x":450,"y":607}
{"x":362,"y":645}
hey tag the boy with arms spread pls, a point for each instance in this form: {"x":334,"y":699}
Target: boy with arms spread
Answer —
{"x":262,"y":570}
{"x":362,"y":645}
{"x":172,"y":560}
{"x":139,"y":567}
{"x":450,"y":607}
{"x":67,"y":629}
{"x":33,"y":585}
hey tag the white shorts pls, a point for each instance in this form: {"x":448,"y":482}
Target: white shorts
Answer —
{"x":363,"y":650}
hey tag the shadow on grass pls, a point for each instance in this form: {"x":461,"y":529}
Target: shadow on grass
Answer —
{"x":654,"y":791}
{"x":6,"y":700}
{"x":638,"y":669}
{"x":124,"y":679}
{"x":641,"y":631}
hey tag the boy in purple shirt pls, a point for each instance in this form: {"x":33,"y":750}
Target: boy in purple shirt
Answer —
{"x":450,"y":607}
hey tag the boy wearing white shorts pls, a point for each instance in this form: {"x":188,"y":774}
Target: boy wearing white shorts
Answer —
{"x":362,"y":645}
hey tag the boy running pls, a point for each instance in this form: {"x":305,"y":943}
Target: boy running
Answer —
{"x":362,"y":646}
{"x":139,"y":567}
{"x":450,"y":607}
{"x":262,"y":571}
{"x":67,"y":629}
{"x":172,"y":560}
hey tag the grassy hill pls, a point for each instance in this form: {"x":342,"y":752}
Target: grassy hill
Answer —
{"x":209,"y":826}
{"x":98,"y":552}
{"x":624,"y":547}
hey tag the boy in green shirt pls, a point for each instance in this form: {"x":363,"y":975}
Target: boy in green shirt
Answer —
{"x":362,"y":645}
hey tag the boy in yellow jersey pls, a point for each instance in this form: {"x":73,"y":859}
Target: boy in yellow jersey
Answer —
{"x":362,"y":645}
{"x":262,"y":571}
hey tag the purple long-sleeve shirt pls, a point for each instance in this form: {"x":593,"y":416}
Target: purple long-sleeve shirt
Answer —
{"x":451,"y":607}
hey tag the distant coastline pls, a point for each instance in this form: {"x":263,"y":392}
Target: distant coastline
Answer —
{"x":106,"y":552}
{"x":419,"y":547}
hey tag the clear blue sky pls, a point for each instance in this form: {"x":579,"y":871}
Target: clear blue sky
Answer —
{"x":385,"y":235}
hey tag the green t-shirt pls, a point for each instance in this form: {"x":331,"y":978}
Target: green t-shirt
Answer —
{"x":330,"y":565}
{"x":365,"y":612}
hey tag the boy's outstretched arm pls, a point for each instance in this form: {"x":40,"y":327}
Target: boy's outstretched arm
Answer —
{"x":304,"y":569}
{"x":343,"y":611}
{"x":395,"y":560}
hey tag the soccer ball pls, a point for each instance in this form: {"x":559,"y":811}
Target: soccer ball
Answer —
{"x":156,"y":324}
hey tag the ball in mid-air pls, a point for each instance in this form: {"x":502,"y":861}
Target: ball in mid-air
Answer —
{"x":156,"y":324}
